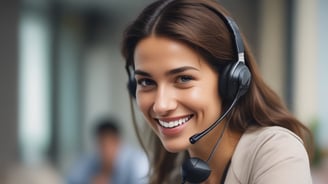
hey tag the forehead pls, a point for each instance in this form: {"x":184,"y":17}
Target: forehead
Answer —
{"x":159,"y":49}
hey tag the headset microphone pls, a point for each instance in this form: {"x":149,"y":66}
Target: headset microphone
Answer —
{"x":193,"y":139}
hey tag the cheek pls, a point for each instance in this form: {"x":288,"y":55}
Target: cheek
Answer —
{"x":203,"y":96}
{"x":144,"y":102}
{"x":194,"y":97}
{"x":206,"y":101}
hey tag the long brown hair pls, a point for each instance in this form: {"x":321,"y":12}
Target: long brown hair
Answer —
{"x":197,"y":24}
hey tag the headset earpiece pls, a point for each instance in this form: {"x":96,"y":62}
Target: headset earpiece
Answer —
{"x":132,"y":83}
{"x":235,"y":77}
{"x":132,"y":87}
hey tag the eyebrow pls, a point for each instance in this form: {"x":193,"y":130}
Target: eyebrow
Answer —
{"x":170,"y":72}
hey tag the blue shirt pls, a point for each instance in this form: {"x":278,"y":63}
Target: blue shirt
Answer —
{"x":131,"y":166}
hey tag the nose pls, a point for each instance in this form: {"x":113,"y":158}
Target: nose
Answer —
{"x":164,"y":102}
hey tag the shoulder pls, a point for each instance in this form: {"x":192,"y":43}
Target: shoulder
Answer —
{"x":264,"y":137}
{"x":265,"y":152}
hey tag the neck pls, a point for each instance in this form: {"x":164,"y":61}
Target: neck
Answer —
{"x":222,"y":154}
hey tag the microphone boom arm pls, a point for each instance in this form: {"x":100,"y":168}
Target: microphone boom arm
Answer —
{"x":193,"y":139}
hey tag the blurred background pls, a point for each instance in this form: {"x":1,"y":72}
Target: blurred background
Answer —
{"x":61,"y":69}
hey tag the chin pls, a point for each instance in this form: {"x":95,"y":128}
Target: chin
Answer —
{"x":175,"y":146}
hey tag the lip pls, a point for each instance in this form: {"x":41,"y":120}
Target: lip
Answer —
{"x":173,"y":126}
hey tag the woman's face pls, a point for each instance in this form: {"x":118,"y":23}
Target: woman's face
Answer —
{"x":177,"y":90}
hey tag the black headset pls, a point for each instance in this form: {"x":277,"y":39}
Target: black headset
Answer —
{"x":235,"y":77}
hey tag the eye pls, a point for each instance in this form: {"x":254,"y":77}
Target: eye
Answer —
{"x":145,"y":82}
{"x":184,"y":78}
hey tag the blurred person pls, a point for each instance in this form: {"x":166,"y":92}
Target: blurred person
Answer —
{"x":213,"y":118}
{"x":114,"y":161}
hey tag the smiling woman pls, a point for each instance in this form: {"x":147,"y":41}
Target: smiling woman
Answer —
{"x":198,"y":87}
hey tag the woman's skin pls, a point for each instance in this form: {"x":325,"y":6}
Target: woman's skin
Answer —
{"x":177,"y":93}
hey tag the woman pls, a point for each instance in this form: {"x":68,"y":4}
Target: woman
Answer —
{"x":203,"y":97}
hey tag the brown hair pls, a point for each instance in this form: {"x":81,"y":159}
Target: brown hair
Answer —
{"x":197,"y":24}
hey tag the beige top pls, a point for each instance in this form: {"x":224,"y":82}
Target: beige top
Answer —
{"x":270,"y":155}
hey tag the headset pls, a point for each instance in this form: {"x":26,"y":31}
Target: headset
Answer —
{"x":234,"y":82}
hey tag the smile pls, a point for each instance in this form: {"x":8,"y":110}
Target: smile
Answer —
{"x":175,"y":123}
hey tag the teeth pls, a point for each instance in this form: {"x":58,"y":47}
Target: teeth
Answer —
{"x":172,"y":124}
